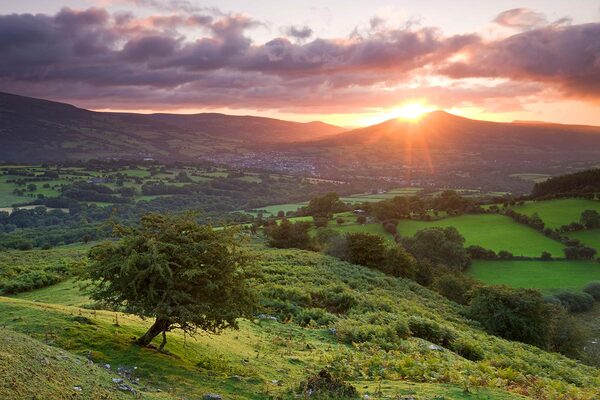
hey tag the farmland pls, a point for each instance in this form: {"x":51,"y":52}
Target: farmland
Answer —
{"x":491,"y":231}
{"x":556,"y":213}
{"x":549,"y":276}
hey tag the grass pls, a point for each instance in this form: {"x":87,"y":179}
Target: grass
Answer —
{"x":590,"y":237}
{"x":267,"y":359}
{"x":548,"y":276}
{"x":491,"y":231}
{"x":33,"y":370}
{"x":556,"y":213}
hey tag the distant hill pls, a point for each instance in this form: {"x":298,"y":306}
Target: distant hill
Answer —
{"x":37,"y":130}
{"x":576,"y":184}
{"x":441,"y":138}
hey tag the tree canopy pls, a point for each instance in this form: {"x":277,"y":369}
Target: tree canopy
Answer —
{"x":184,"y":275}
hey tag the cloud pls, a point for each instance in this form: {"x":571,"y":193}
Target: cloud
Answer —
{"x":567,"y":57}
{"x":299,"y":32}
{"x":199,"y":59}
{"x":522,"y":18}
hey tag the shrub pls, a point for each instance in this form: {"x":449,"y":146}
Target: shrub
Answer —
{"x":383,"y":329}
{"x":288,"y":234}
{"x":515,"y":314}
{"x":365,"y":249}
{"x":361,"y":219}
{"x":439,"y":245}
{"x":315,"y":317}
{"x":398,"y":262}
{"x":505,"y":255}
{"x":320,"y":222}
{"x":456,"y":287}
{"x":340,"y":221}
{"x":546,"y":256}
{"x":468,"y":349}
{"x":390,"y":226}
{"x":335,"y":299}
{"x":569,"y":336}
{"x":593,"y":289}
{"x":575,"y":302}
{"x":325,"y":386}
{"x":431,"y":331}
{"x":479,"y":253}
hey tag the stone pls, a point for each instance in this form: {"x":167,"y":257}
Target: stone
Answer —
{"x":126,"y":388}
{"x":117,"y":380}
{"x":212,"y":396}
{"x":435,"y":347}
{"x":77,"y":388}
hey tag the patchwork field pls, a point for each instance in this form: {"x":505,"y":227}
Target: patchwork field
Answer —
{"x":590,"y":237}
{"x":556,"y":213}
{"x":491,"y":231}
{"x":548,"y":276}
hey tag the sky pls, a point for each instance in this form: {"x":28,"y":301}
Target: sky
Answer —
{"x":350,"y":63}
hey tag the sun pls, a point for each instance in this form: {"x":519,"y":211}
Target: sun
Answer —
{"x":413,"y":111}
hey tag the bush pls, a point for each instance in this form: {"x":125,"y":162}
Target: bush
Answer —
{"x":479,"y":253}
{"x":575,"y":302}
{"x":365,"y":249}
{"x":431,"y":331}
{"x":546,"y":256}
{"x":315,"y":317}
{"x":505,"y":255}
{"x":515,"y":314}
{"x":320,"y":222}
{"x":288,"y":234}
{"x":326,"y":386}
{"x":385,"y":330}
{"x":439,"y":245}
{"x":569,"y":336}
{"x":398,"y":262}
{"x":361,"y":219}
{"x":593,"y":289}
{"x":468,"y":349}
{"x":456,"y":287}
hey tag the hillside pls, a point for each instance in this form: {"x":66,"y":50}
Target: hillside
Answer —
{"x":322,"y":305}
{"x":40,"y":130}
{"x":440,"y":139}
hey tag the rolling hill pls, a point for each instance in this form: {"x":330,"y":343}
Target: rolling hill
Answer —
{"x":40,"y":130}
{"x":440,"y":138}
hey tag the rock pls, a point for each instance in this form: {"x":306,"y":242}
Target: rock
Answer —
{"x":77,"y":388}
{"x":126,"y":388}
{"x":333,"y":331}
{"x":107,"y":366}
{"x":117,"y":380}
{"x":276,"y":382}
{"x":235,"y":378}
{"x":212,"y":396}
{"x":435,"y":347}
{"x":267,"y":317}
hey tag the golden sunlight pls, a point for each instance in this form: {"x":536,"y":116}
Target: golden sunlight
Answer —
{"x":413,"y":111}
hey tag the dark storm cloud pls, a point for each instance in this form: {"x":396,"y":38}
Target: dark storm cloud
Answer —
{"x":207,"y":59}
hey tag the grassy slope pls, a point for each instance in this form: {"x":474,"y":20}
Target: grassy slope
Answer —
{"x":270,"y":352}
{"x":491,"y":231}
{"x":547,"y":276}
{"x":33,"y":370}
{"x":556,"y":213}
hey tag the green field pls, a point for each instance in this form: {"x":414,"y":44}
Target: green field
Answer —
{"x":548,"y":276}
{"x":491,"y":231}
{"x":531,"y":177}
{"x":590,"y":237}
{"x":556,"y":213}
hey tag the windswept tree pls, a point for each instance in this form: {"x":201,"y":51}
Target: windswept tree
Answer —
{"x":183,"y":275}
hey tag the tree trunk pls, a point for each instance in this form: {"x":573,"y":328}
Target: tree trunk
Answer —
{"x":159,"y":326}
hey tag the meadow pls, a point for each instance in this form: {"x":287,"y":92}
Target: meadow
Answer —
{"x":491,"y":231}
{"x":548,"y":276}
{"x":558,"y":212}
{"x":266,"y":359}
{"x":589,"y":237}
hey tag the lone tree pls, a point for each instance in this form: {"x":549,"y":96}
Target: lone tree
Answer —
{"x":184,"y":275}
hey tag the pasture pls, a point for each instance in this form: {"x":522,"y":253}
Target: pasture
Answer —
{"x":491,"y":231}
{"x":590,"y":237}
{"x":547,"y":276}
{"x":558,"y":212}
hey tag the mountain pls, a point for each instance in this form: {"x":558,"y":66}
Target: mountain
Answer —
{"x":36,"y":130}
{"x":440,"y":138}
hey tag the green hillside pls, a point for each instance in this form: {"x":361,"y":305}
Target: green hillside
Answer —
{"x":556,"y":213}
{"x":547,"y":276}
{"x":491,"y":231}
{"x":590,"y":237}
{"x":268,"y":358}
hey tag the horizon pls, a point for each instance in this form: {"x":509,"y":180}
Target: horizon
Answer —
{"x":347,"y":66}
